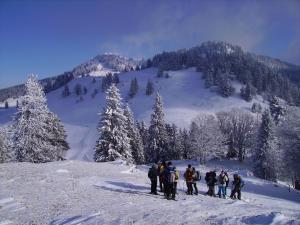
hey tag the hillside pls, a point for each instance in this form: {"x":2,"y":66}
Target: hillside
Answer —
{"x":76,"y":192}
{"x":183,"y":93}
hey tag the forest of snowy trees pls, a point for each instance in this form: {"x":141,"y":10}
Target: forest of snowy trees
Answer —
{"x":236,"y":134}
{"x":221,"y":63}
{"x":36,"y":134}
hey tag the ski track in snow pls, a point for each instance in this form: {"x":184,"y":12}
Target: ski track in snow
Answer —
{"x":113,"y":193}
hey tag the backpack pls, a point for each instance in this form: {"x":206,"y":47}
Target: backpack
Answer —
{"x":198,"y":176}
{"x":176,"y":175}
{"x":172,"y":176}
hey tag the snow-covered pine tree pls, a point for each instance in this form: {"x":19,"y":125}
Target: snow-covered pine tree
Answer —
{"x":113,"y":142}
{"x":36,"y":132}
{"x":267,"y":154}
{"x":143,"y":130}
{"x":6,"y":153}
{"x":136,"y":143}
{"x":149,"y":88}
{"x":157,"y":133}
{"x":57,"y":137}
{"x":185,"y":143}
{"x":277,"y":109}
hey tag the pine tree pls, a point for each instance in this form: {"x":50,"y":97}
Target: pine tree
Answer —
{"x":133,"y":88}
{"x":78,"y":89}
{"x":276,"y":109}
{"x":143,"y":130}
{"x":136,"y":142}
{"x":266,"y":155}
{"x":225,"y":87}
{"x":113,"y":142}
{"x":6,"y":153}
{"x":149,"y":88}
{"x":66,"y":91}
{"x":248,"y":92}
{"x":185,"y":144}
{"x":36,"y":132}
{"x":157,"y":133}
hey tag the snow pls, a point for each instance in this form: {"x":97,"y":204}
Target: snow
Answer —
{"x":184,"y":97}
{"x":116,"y":193}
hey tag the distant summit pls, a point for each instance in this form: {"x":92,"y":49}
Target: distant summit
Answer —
{"x":101,"y":65}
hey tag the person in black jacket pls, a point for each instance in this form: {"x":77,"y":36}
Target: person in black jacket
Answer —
{"x":211,"y":180}
{"x":237,"y":184}
{"x":152,"y":174}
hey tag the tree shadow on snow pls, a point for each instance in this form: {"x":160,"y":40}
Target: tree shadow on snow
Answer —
{"x":128,"y":185}
{"x":127,"y":191}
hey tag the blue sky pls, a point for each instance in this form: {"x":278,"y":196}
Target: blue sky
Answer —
{"x":50,"y":37}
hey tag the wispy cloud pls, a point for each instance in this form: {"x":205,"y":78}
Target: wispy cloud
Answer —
{"x":173,"y":25}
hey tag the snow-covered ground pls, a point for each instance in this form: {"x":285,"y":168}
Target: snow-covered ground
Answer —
{"x":78,"y":192}
{"x":184,"y":97}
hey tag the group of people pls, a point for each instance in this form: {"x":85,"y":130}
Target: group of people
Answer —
{"x":168,"y":177}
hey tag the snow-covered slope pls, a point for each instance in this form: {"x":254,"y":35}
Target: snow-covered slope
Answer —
{"x":77,"y":192}
{"x":183,"y":94}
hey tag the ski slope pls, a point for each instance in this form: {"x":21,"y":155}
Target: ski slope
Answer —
{"x":184,"y":97}
{"x":79,"y":192}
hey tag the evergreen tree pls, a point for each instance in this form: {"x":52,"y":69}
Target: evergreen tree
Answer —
{"x":116,"y":78}
{"x":6,"y":153}
{"x":277,"y":110}
{"x":149,"y":88}
{"x":133,"y":88}
{"x":248,"y":92}
{"x":266,"y":155}
{"x":78,"y":89}
{"x":136,"y":142}
{"x":157,"y":133}
{"x":66,"y":91}
{"x":113,"y":139}
{"x":144,"y":134}
{"x":37,"y":134}
{"x":185,"y":144}
{"x":225,"y":87}
{"x":256,"y":108}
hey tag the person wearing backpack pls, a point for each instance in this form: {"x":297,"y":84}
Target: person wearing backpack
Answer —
{"x":152,"y":174}
{"x":188,"y":175}
{"x":227,"y":183}
{"x":211,"y":180}
{"x":161,"y":169}
{"x":222,"y":179}
{"x":196,"y":177}
{"x":237,"y":184}
{"x":169,"y":178}
{"x":174,"y":190}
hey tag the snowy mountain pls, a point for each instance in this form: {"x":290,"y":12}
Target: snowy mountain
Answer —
{"x":101,"y":65}
{"x":184,"y":97}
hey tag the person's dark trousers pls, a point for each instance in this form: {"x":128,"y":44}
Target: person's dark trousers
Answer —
{"x":195,"y":188}
{"x":161,"y":184}
{"x":166,"y":189}
{"x":190,"y":188}
{"x":238,"y":191}
{"x":174,"y":190}
{"x":211,"y":190}
{"x":154,"y":186}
